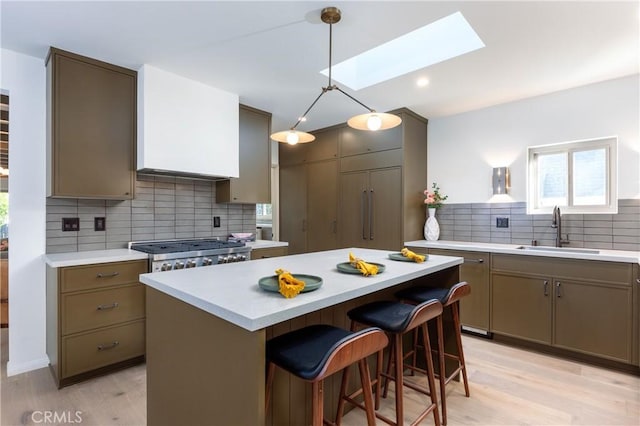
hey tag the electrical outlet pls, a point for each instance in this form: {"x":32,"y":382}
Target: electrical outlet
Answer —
{"x":216,"y":221}
{"x":99,"y":223}
{"x":502,"y":222}
{"x":70,"y":223}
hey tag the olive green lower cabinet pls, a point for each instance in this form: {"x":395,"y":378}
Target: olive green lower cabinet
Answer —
{"x":582,"y":306}
{"x":266,"y":252}
{"x":474,"y":308}
{"x":95,"y":319}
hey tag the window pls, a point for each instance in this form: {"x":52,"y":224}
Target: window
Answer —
{"x":263,"y":213}
{"x":580,"y":176}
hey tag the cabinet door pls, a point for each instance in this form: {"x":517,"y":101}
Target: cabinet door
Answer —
{"x":353,"y":142}
{"x":254,"y":183}
{"x":593,"y":318}
{"x":474,"y":308}
{"x":93,"y":119}
{"x":293,"y":207}
{"x":385,"y":209}
{"x":322,"y":199}
{"x":353,"y":224}
{"x":521,"y":307}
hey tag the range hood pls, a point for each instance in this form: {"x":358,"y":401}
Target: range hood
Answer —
{"x":185,"y":127}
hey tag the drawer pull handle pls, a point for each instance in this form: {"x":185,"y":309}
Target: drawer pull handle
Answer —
{"x":638,"y":280}
{"x":474,"y":261}
{"x":546,"y":288}
{"x":105,"y":307}
{"x":558,"y":294}
{"x":107,"y":347}
{"x":113,"y":274}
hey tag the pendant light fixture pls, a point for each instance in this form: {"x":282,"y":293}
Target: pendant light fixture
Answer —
{"x":369,"y":121}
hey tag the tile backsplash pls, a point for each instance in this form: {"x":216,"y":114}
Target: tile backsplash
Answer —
{"x":477,"y":222}
{"x":163,"y":208}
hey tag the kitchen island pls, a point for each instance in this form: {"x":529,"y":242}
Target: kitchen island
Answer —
{"x":207,"y":328}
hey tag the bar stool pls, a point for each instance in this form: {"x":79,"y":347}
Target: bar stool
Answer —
{"x":448,"y":297}
{"x":315,"y":352}
{"x":397,"y":319}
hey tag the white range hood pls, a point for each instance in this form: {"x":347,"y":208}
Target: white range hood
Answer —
{"x":185,"y":127}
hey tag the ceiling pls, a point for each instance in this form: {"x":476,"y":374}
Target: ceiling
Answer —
{"x":271,"y":53}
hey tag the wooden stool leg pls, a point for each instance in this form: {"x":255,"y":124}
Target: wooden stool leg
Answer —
{"x":390,"y":361}
{"x":463,"y":366}
{"x":270,"y":373}
{"x":430,"y":373}
{"x":317,"y":402}
{"x":399,"y":368}
{"x":343,"y":393}
{"x":379,"y":361}
{"x":443,"y":375}
{"x":365,"y":381}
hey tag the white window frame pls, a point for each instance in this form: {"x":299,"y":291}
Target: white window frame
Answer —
{"x":610,"y":144}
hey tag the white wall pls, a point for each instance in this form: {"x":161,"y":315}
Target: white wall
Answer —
{"x":24,"y":78}
{"x":463,"y":148}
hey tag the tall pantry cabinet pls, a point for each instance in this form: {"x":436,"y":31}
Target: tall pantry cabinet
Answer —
{"x":376,"y":182}
{"x":308,"y":193}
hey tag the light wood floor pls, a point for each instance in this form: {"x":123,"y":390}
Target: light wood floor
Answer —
{"x":508,"y":387}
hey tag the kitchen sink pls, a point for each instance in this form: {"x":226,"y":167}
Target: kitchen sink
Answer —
{"x":558,"y":249}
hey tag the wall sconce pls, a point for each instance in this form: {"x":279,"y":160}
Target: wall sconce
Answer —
{"x":501,"y":181}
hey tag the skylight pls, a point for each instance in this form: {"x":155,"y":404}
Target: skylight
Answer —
{"x":443,"y":39}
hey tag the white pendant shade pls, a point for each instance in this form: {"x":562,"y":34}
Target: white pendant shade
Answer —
{"x":374,"y":121}
{"x":292,"y":137}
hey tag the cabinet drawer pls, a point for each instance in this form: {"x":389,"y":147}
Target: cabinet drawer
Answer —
{"x":268,"y":252}
{"x":89,"y":310}
{"x":88,"y":351}
{"x":101,"y":275}
{"x":592,"y":270}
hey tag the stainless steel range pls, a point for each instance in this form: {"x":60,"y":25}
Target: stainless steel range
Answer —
{"x":183,"y":254}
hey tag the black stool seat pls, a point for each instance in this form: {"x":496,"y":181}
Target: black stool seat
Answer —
{"x":304,"y":352}
{"x":422,"y":294}
{"x":390,"y":316}
{"x":315,"y":352}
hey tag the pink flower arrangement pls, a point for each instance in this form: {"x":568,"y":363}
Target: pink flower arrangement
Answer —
{"x":434,"y":198}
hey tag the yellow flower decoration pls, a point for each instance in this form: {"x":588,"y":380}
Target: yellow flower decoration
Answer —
{"x":288,"y":285}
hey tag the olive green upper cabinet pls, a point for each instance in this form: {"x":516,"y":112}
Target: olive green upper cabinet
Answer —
{"x":91,"y":128}
{"x":254,"y":183}
{"x":354,"y":142}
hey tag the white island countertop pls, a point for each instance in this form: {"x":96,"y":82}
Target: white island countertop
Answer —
{"x":564,"y":252}
{"x":231,"y":292}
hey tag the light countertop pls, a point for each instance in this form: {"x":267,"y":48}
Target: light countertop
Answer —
{"x":565,"y":252}
{"x":231,"y":292}
{"x":59,"y":260}
{"x":260,"y":244}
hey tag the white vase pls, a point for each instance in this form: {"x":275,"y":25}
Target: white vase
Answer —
{"x":431,"y":226}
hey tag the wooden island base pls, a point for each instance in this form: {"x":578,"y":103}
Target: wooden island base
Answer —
{"x":203,"y":370}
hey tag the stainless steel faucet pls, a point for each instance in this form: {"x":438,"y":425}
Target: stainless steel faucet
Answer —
{"x":556,"y":222}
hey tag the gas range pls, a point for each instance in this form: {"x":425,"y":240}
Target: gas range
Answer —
{"x":167,"y":255}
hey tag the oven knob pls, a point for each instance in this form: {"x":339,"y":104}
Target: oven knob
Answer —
{"x":207,"y":261}
{"x":223,"y":259}
{"x":242,"y":258}
{"x":191,"y":264}
{"x":178,"y":265}
{"x":165,"y":267}
{"x":233,"y":259}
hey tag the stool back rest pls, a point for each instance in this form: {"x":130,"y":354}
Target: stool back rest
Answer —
{"x":424,"y":312}
{"x":353,"y":348}
{"x":457,"y":292}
